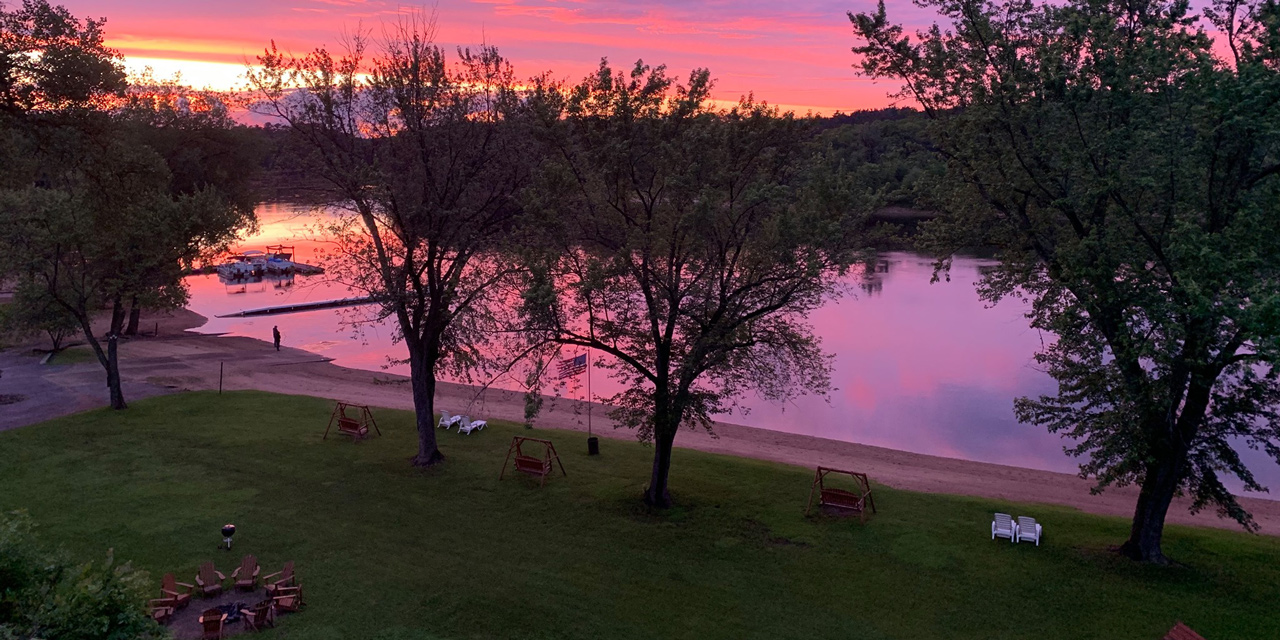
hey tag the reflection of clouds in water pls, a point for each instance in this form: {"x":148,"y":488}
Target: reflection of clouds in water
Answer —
{"x":321,"y":346}
{"x":920,"y":367}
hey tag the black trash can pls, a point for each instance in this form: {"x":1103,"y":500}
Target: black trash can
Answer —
{"x":593,"y":446}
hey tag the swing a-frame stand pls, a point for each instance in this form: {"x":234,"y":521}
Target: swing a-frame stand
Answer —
{"x":356,"y":424}
{"x":856,"y":501}
{"x":532,"y":465}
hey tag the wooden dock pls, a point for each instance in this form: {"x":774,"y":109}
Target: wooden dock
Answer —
{"x":300,"y":307}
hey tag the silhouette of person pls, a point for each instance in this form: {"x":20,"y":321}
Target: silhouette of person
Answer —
{"x":275,"y":334}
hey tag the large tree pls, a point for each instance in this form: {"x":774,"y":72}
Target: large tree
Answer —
{"x":424,"y":156}
{"x":682,"y":246}
{"x":201,"y":144}
{"x":1124,"y":157}
{"x":88,"y":218}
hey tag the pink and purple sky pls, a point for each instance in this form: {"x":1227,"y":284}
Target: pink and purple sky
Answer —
{"x":792,"y":54}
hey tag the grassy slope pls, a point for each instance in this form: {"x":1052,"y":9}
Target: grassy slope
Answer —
{"x":387,"y":551}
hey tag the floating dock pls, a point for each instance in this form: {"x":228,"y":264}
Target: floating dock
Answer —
{"x":300,"y":307}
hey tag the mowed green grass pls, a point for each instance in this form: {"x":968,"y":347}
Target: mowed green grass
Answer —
{"x":388,"y":551}
{"x":73,"y":355}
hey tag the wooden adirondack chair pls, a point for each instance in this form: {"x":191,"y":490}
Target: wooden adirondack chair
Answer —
{"x":246,"y":575}
{"x":260,"y":616}
{"x":212,"y":623}
{"x":162,"y":609}
{"x":282,"y":578}
{"x":288,"y":599}
{"x":209,"y":580}
{"x":179,"y":592}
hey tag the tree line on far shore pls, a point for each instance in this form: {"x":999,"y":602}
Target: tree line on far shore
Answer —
{"x":1122,"y":161}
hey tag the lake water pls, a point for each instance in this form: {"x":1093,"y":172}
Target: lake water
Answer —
{"x":919,"y":367}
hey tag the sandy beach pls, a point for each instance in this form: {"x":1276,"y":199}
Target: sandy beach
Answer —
{"x":178,"y":360}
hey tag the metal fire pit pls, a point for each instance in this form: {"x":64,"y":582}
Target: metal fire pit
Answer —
{"x":232,"y":609}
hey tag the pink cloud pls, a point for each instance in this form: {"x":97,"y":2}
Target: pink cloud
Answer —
{"x":795,"y":55}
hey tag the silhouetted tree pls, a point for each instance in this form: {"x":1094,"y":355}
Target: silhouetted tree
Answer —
{"x":1125,"y":159}
{"x":425,"y":156}
{"x":87,"y":217}
{"x":682,"y":245}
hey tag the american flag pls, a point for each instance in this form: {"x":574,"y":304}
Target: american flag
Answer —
{"x":570,"y":367}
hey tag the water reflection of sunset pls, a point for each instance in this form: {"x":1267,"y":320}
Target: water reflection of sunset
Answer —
{"x":917,"y":366}
{"x":920,"y":367}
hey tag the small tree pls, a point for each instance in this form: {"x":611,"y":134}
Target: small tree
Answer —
{"x":31,"y":311}
{"x":426,"y":157}
{"x":681,"y":245}
{"x":43,"y":595}
{"x":1125,"y":160}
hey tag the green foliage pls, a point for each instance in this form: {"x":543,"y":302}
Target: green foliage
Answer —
{"x":686,"y":243}
{"x":31,"y":311}
{"x":43,"y":595}
{"x":50,"y":62}
{"x":202,"y":145}
{"x":893,"y":158}
{"x":92,"y":216}
{"x":1125,"y":160}
{"x":580,"y":557}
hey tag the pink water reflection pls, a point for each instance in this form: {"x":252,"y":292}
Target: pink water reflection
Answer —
{"x":920,"y":367}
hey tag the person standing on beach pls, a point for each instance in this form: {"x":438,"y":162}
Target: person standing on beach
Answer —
{"x":275,"y":335}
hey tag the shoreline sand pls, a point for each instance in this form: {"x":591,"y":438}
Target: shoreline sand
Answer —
{"x":180,"y":360}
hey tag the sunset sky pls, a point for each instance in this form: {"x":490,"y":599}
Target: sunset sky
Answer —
{"x":793,"y":54}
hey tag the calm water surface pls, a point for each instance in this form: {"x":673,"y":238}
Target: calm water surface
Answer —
{"x":920,"y":367}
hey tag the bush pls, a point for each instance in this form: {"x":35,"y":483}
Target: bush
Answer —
{"x":45,"y":595}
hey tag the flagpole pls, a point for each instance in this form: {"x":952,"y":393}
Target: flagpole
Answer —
{"x":588,"y":392}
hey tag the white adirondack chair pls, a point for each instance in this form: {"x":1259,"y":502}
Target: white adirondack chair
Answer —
{"x":467,"y":425}
{"x":447,"y":420}
{"x":1028,"y":529}
{"x":1003,"y":526}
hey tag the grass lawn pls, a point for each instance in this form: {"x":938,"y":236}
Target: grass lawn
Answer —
{"x":73,"y":355}
{"x":387,"y":551}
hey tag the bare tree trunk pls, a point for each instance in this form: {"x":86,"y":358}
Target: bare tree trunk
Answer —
{"x":112,"y":361}
{"x":1158,"y":489}
{"x":113,"y":374}
{"x":135,"y":313}
{"x":664,"y":437}
{"x":422,"y":378}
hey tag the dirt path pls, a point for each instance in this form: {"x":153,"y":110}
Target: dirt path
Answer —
{"x":179,"y":360}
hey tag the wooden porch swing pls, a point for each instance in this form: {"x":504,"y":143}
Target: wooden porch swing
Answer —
{"x":532,"y":465}
{"x":843,"y":499}
{"x":356,"y":425}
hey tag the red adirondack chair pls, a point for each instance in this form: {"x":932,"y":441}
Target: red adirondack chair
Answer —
{"x":212,"y":623}
{"x":282,"y":578}
{"x":288,"y":599}
{"x":162,"y":609}
{"x":209,"y":580}
{"x":260,"y":616}
{"x":246,"y":575}
{"x":179,"y":592}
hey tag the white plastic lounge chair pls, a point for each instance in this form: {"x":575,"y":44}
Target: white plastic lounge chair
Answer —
{"x":467,"y":425}
{"x":1004,"y":527}
{"x":447,"y":420}
{"x":1027,"y":529}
